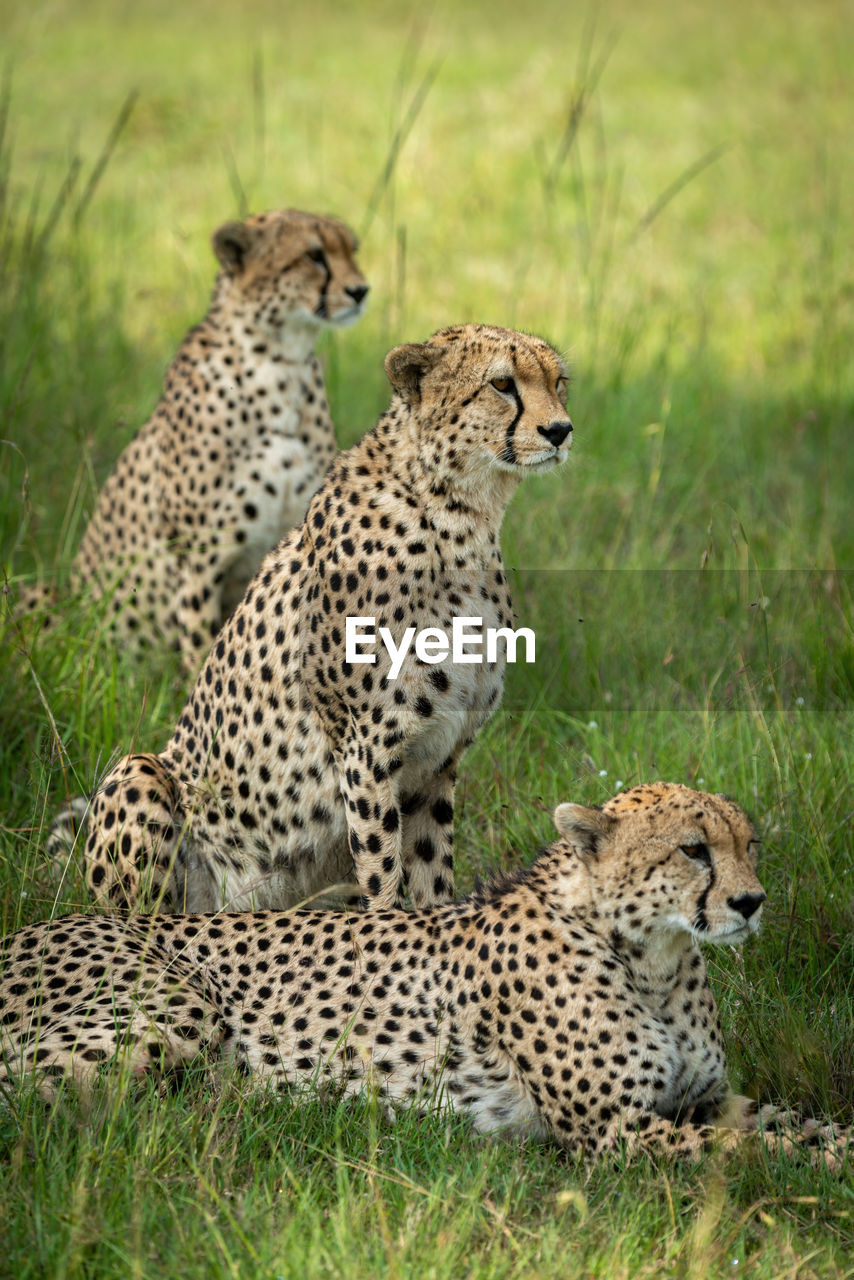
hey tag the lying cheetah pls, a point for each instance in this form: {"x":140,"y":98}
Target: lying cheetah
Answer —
{"x":568,"y":1000}
{"x":240,"y":440}
{"x":285,"y":748}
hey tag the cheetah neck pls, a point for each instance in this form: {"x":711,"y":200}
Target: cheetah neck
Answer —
{"x":480,"y":497}
{"x":235,"y":324}
{"x":461,"y":508}
{"x":659,"y":967}
{"x":474,"y":533}
{"x":464,"y":496}
{"x":461,"y":521}
{"x":655,"y":958}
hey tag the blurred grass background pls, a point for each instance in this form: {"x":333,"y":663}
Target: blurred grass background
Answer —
{"x":665,"y":192}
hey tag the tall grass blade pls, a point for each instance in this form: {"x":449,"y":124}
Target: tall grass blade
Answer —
{"x":5,"y":146}
{"x":669,"y":193}
{"x":63,"y":197}
{"x":106,"y":152}
{"x":587,"y":81}
{"x":259,"y":111}
{"x":398,"y":140}
{"x":237,"y":188}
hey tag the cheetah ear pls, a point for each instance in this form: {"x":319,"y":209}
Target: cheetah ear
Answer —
{"x":231,"y":242}
{"x":405,"y":366}
{"x":585,"y":829}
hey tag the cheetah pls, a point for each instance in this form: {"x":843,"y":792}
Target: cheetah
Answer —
{"x":237,"y":445}
{"x":291,"y":765}
{"x":569,"y":1000}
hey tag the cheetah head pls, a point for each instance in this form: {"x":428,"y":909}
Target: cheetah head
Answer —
{"x":664,"y":859}
{"x":291,"y":269}
{"x":484,"y":399}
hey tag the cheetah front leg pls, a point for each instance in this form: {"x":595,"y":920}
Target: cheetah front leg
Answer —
{"x":657,"y":1136}
{"x":134,"y":829}
{"x":428,"y":837}
{"x":784,"y":1132}
{"x":199,"y":607}
{"x":781,"y":1131}
{"x":368,"y":787}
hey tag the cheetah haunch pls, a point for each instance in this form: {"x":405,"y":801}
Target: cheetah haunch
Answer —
{"x":568,"y":1000}
{"x":289,"y":766}
{"x":237,"y":445}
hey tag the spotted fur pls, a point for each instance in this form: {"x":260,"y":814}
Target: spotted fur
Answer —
{"x":238,"y":443}
{"x":290,"y":766}
{"x":570,"y":1000}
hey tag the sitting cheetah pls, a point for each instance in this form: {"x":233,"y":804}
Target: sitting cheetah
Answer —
{"x":285,"y":748}
{"x":240,"y":440}
{"x":568,"y":1000}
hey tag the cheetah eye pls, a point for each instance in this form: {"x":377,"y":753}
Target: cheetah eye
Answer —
{"x":505,"y":385}
{"x":561,"y":388}
{"x":316,"y":255}
{"x":753,"y":847}
{"x":697,"y":853}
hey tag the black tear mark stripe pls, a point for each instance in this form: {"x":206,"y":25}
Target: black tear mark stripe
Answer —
{"x":508,"y":453}
{"x":320,"y":309}
{"x":701,"y":920}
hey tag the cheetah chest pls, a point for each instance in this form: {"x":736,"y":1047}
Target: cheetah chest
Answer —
{"x":273,"y":476}
{"x":683,"y":1039}
{"x":273,"y":470}
{"x":449,"y":720}
{"x":451,"y":701}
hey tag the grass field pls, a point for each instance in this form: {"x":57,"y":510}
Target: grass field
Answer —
{"x":666,"y":192}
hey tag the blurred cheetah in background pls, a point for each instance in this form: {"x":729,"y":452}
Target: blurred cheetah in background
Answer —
{"x":237,"y":445}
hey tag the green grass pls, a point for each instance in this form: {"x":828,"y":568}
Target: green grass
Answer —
{"x":664,"y":192}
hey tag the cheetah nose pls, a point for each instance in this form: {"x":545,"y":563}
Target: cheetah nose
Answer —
{"x":747,"y":904}
{"x":556,"y":432}
{"x":357,"y":291}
